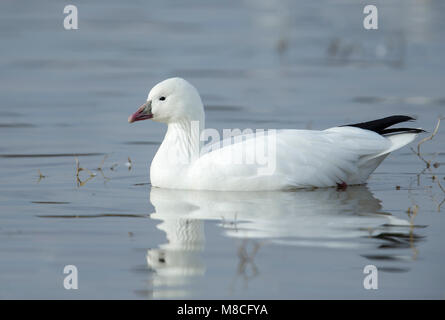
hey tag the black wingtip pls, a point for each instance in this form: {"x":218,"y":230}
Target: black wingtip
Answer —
{"x":400,"y":130}
{"x":381,"y":126}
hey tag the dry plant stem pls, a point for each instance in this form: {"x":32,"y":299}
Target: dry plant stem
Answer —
{"x":440,"y":186}
{"x":101,"y":166}
{"x":443,"y":190}
{"x":410,"y":194}
{"x":103,"y":175}
{"x":41,"y":176}
{"x":246,"y":259}
{"x":430,"y":137}
{"x":412,"y":214}
{"x":129,"y":164}
{"x":418,"y":154}
{"x":420,"y":173}
{"x":103,"y":162}
{"x":81,"y":183}
{"x":427,"y":163}
{"x":440,"y":204}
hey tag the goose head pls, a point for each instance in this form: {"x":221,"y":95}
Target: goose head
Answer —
{"x":170,"y":101}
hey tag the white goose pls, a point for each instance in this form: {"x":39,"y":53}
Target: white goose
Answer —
{"x":338,"y":156}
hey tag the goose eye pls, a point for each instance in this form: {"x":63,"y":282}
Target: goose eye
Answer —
{"x":162,"y":98}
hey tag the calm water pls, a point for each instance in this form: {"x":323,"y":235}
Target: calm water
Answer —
{"x":258,"y":64}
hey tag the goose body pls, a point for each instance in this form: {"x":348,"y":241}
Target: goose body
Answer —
{"x":272,"y":160}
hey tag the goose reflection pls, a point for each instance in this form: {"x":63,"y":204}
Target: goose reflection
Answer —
{"x":322,"y":217}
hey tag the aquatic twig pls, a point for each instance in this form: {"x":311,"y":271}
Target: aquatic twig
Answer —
{"x":440,"y":204}
{"x":41,"y":176}
{"x":102,"y":163}
{"x":412,"y":243}
{"x":129,"y":164}
{"x":246,"y":259}
{"x":410,"y":194}
{"x":101,"y":170}
{"x":430,"y":137}
{"x":436,"y":129}
{"x":79,"y":169}
{"x":427,"y":163}
{"x":92,"y":174}
{"x":440,"y":186}
{"x":233,"y":223}
{"x":419,"y":155}
{"x":79,"y":182}
{"x":412,"y":213}
{"x":443,"y":190}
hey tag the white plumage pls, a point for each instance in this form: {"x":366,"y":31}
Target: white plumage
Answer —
{"x":295,"y":158}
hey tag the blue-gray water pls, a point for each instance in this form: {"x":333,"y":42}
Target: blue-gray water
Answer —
{"x":257,"y":64}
